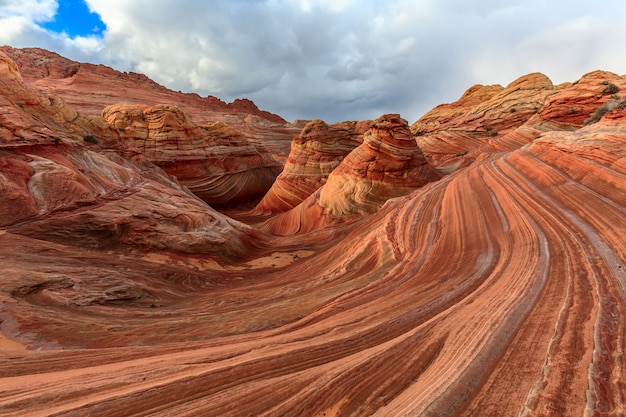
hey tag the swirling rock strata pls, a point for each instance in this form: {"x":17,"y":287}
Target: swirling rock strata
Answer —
{"x":315,"y":153}
{"x":497,"y":290}
{"x":573,"y":106}
{"x":91,"y":190}
{"x":455,"y":134}
{"x":214,"y":161}
{"x":387,"y":164}
{"x":430,"y":307}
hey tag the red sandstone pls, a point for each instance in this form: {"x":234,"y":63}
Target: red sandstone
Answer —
{"x":495,"y":290}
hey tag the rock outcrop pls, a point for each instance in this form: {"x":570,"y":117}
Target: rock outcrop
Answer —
{"x":454,"y":134}
{"x":214,"y":161}
{"x":387,"y":164}
{"x":488,"y":119}
{"x":496,"y":290}
{"x":69,"y":178}
{"x":315,"y":153}
{"x":89,"y":88}
{"x":573,"y":106}
{"x":493,"y":108}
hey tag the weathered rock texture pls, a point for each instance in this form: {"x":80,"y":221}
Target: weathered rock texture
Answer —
{"x":497,"y":290}
{"x":573,"y":106}
{"x":489,"y":119}
{"x":387,"y":164}
{"x":315,"y":153}
{"x":56,"y":186}
{"x":451,"y":134}
{"x":214,"y":161}
{"x":90,"y":88}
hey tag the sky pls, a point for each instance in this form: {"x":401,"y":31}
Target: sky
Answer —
{"x":329,"y":59}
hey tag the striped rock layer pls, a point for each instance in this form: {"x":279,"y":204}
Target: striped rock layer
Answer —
{"x":496,"y":290}
{"x":315,"y":153}
{"x":214,"y":161}
{"x":386,"y":165}
{"x":89,"y":88}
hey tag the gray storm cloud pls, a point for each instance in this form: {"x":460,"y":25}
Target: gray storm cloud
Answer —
{"x":336,"y":60}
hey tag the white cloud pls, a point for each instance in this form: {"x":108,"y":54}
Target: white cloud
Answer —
{"x":28,"y":10}
{"x":336,"y":59}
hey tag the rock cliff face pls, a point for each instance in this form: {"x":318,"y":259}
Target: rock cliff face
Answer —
{"x":496,"y":290}
{"x":315,"y":153}
{"x":214,"y":161}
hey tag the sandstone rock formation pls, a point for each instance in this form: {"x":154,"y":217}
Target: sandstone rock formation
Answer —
{"x":315,"y":153}
{"x":573,"y":106}
{"x":496,"y":290}
{"x":489,"y":119}
{"x":214,"y":161}
{"x":493,"y":106}
{"x":57,"y":186}
{"x":90,"y":88}
{"x":451,"y":133}
{"x":387,"y":164}
{"x":29,"y":118}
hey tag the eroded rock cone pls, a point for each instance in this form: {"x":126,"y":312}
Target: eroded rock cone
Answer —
{"x":315,"y":153}
{"x":388,"y":164}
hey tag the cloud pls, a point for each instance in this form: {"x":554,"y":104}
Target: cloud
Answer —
{"x":332,"y":59}
{"x":28,"y":10}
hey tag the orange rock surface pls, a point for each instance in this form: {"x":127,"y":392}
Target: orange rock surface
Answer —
{"x":489,"y":119}
{"x":496,"y":290}
{"x":216,"y":162}
{"x":387,"y":164}
{"x":315,"y":153}
{"x":455,"y":134}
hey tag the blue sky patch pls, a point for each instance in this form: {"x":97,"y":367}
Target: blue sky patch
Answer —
{"x":74,"y":18}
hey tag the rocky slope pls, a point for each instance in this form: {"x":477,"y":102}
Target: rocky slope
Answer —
{"x":90,"y":88}
{"x":489,"y":119}
{"x":573,"y":106}
{"x":387,"y":164}
{"x":92,"y":190}
{"x":217,"y":163}
{"x":452,"y":133}
{"x":495,"y":290}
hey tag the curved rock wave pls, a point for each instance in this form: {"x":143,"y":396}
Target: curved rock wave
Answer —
{"x":428,"y":308}
{"x":216,"y":162}
{"x":499,"y":289}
